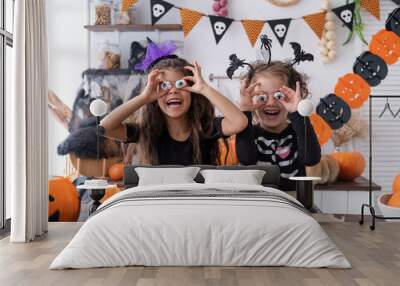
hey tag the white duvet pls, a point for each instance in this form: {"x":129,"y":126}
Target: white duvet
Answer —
{"x":202,"y":231}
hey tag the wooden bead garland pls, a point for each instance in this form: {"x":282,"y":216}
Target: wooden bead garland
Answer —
{"x":328,"y":41}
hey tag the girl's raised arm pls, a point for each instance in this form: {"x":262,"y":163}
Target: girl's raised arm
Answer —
{"x":234,"y":120}
{"x":112,"y":123}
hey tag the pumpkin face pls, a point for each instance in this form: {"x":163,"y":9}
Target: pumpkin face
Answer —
{"x":353,"y":89}
{"x":321,"y":128}
{"x":393,"y":22}
{"x":396,"y":184}
{"x":64,"y":202}
{"x":386,"y":44}
{"x":227,"y":151}
{"x":116,"y":171}
{"x":334,"y":110}
{"x":351,"y":165}
{"x":371,"y":68}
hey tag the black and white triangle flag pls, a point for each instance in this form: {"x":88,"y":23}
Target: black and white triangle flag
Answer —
{"x":219,"y":26}
{"x":280,"y":28}
{"x":158,"y":9}
{"x":346,"y":14}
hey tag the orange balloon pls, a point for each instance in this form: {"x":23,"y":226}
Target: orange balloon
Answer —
{"x":321,"y":128}
{"x":394,"y":200}
{"x":386,"y":44}
{"x":116,"y":171}
{"x":64,"y":201}
{"x":353,"y":89}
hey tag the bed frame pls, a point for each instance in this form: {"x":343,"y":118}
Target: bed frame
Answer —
{"x":270,"y":179}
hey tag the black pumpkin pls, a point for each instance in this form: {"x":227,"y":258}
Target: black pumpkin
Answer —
{"x":371,"y":68}
{"x":393,"y":21}
{"x":334,"y":110}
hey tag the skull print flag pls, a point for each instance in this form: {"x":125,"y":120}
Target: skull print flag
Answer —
{"x":158,"y":9}
{"x":280,"y":28}
{"x":345,"y":14}
{"x":219,"y":26}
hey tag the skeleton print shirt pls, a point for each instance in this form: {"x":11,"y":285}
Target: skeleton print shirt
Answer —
{"x":255,"y":145}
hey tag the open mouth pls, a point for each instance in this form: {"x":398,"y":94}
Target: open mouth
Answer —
{"x":272,"y":112}
{"x":174,"y":102}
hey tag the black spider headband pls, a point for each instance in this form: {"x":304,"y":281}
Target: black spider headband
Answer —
{"x":299,"y":56}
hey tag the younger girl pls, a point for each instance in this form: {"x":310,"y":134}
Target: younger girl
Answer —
{"x":176,"y":123}
{"x":279,"y":136}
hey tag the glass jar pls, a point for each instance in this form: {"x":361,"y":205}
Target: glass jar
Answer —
{"x":103,"y":10}
{"x":108,"y":56}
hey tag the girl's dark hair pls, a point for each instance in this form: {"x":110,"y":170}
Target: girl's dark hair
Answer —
{"x":152,"y":122}
{"x":285,"y":70}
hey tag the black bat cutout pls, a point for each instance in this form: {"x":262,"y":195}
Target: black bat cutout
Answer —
{"x":236,"y":63}
{"x":266,"y":45}
{"x":300,"y":55}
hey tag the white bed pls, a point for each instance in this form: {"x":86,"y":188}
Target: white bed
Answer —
{"x":225,"y":225}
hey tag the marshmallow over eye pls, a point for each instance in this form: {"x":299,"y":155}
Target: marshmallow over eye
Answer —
{"x":166,"y":85}
{"x":259,"y":98}
{"x":180,"y":83}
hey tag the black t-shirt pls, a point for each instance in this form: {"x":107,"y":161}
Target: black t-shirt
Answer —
{"x":288,"y":149}
{"x":173,"y":152}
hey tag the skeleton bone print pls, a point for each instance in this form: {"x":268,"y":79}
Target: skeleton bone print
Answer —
{"x":279,"y":152}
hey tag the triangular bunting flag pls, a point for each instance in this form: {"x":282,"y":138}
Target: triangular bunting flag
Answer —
{"x":189,"y":19}
{"x":253,"y":29}
{"x":346,"y":14}
{"x":316,"y":22}
{"x":158,"y":9}
{"x":373,"y":7}
{"x":280,"y":28}
{"x":219,"y":26}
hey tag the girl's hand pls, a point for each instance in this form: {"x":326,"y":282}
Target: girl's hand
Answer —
{"x":152,"y":90}
{"x":292,"y":98}
{"x":199,"y":84}
{"x":247,"y":96}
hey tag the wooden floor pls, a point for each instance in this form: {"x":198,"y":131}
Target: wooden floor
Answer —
{"x":375,"y":257}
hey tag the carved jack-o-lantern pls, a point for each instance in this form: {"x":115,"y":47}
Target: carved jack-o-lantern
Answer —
{"x":371,"y":68}
{"x":64,"y":202}
{"x":353,"y":89}
{"x":386,"y":44}
{"x":334,"y":110}
{"x":321,"y":129}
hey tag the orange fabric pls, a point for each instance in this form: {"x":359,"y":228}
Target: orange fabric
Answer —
{"x":227,"y":151}
{"x":373,"y":7}
{"x":189,"y":19}
{"x":253,"y":29}
{"x":321,"y":128}
{"x":126,"y":4}
{"x":316,"y":22}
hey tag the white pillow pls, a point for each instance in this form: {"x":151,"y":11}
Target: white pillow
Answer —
{"x":248,"y":177}
{"x":164,"y":176}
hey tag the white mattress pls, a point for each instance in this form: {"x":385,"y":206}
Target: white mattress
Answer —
{"x":200,"y":231}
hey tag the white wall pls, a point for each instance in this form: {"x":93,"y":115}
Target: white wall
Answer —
{"x":68,"y":46}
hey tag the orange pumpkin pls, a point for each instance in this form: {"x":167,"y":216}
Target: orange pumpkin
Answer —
{"x":116,"y":171}
{"x":227,"y":151}
{"x":353,"y":89}
{"x":386,"y":44}
{"x":351,"y":164}
{"x":109,"y":193}
{"x":396,"y":184}
{"x":64,"y":201}
{"x":394,"y":200}
{"x":321,"y":128}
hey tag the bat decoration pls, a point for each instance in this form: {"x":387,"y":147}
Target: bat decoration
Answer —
{"x":300,"y":55}
{"x":266,"y":45}
{"x":236,"y":63}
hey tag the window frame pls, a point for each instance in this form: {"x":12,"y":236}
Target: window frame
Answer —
{"x":6,"y":39}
